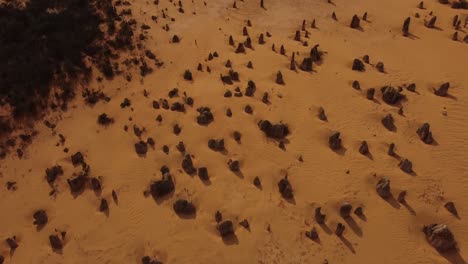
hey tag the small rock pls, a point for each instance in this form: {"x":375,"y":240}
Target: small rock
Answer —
{"x":450,"y":206}
{"x":312,"y":234}
{"x":425,"y":134}
{"x":184,"y":207}
{"x":162,"y":187}
{"x":285,"y":188}
{"x":364,"y":148}
{"x":319,"y":217}
{"x":321,"y":114}
{"x":257,"y":182}
{"x":406,"y":166}
{"x":380,"y":67}
{"x":226,"y":229}
{"x":370,"y":93}
{"x":55,"y":242}
{"x":203,"y":173}
{"x":141,"y":148}
{"x":383,"y":188}
{"x":442,"y":90}
{"x":339,"y":229}
{"x":334,"y":141}
{"x":388,"y":122}
{"x":187,"y":165}
{"x":358,"y":65}
{"x":402,"y":197}
{"x":104,"y":206}
{"x":40,"y":218}
{"x":346,"y":209}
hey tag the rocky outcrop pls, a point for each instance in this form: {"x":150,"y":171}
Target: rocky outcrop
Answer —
{"x":440,"y":237}
{"x":383,"y":188}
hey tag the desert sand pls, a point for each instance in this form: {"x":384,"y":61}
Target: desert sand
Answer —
{"x":136,"y":225}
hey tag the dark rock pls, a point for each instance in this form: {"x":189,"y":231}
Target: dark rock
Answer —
{"x":173,"y":93}
{"x":237,"y":136}
{"x":391,"y":150}
{"x":358,"y":65}
{"x":257,"y":182}
{"x":421,"y":5}
{"x":96,"y":184}
{"x":321,"y":114}
{"x":188,"y":75}
{"x":355,"y":22}
{"x":40,"y":218}
{"x":166,"y":149}
{"x":313,"y":24}
{"x":248,"y":109}
{"x":391,"y":95}
{"x":125,"y":103}
{"x":334,"y":16}
{"x":176,"y":106}
{"x":181,"y":147}
{"x":105,"y":120}
{"x":162,"y":187}
{"x":315,"y":54}
{"x":265,"y":98}
{"x":244,"y":223}
{"x":203,"y":173}
{"x":455,"y":36}
{"x":226,"y":228}
{"x":228,"y":64}
{"x":366,"y":59}
{"x":240,"y":48}
{"x":370,"y":93}
{"x":319,"y":217}
{"x":245,"y":32}
{"x":187,"y":165}
{"x":52,"y":173}
{"x":358,"y":211}
{"x":156,"y":105}
{"x":431,"y":23}
{"x":334,"y":141}
{"x":184,"y":207}
{"x":226,"y":79}
{"x":411,"y":87}
{"x":285,"y":188}
{"x":248,"y":43}
{"x":306,"y":65}
{"x":312,"y":234}
{"x":340,"y":228}
{"x":228,"y":94}
{"x":250,"y":65}
{"x":282,"y":50}
{"x":150,"y":141}
{"x":450,"y":206}
{"x":388,"y":122}
{"x":442,"y":90}
{"x":380,"y":67}
{"x":216,"y":144}
{"x":297,"y":37}
{"x":402,"y":197}
{"x":228,"y":112}
{"x":77,"y":158}
{"x":12,"y":243}
{"x":234,"y":165}
{"x":104,"y":206}
{"x":141,"y":148}
{"x":77,"y":184}
{"x":346,"y":209}
{"x":261,"y":39}
{"x":251,"y":88}
{"x":231,"y":41}
{"x":218,"y":217}
{"x":277,"y":131}
{"x":364,"y":17}
{"x":356,"y":85}
{"x":199,"y":67}
{"x":205,"y":116}
{"x":159,"y":118}
{"x":406,"y":25}
{"x":440,"y":237}
{"x":55,"y":242}
{"x":406,"y":166}
{"x":383,"y":188}
{"x":425,"y":133}
{"x":364,"y":148}
{"x":279,"y":78}
{"x":2,"y":259}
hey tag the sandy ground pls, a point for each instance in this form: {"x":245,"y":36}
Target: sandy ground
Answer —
{"x":389,"y":233}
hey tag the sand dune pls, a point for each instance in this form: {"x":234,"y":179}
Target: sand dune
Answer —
{"x":137,"y":225}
